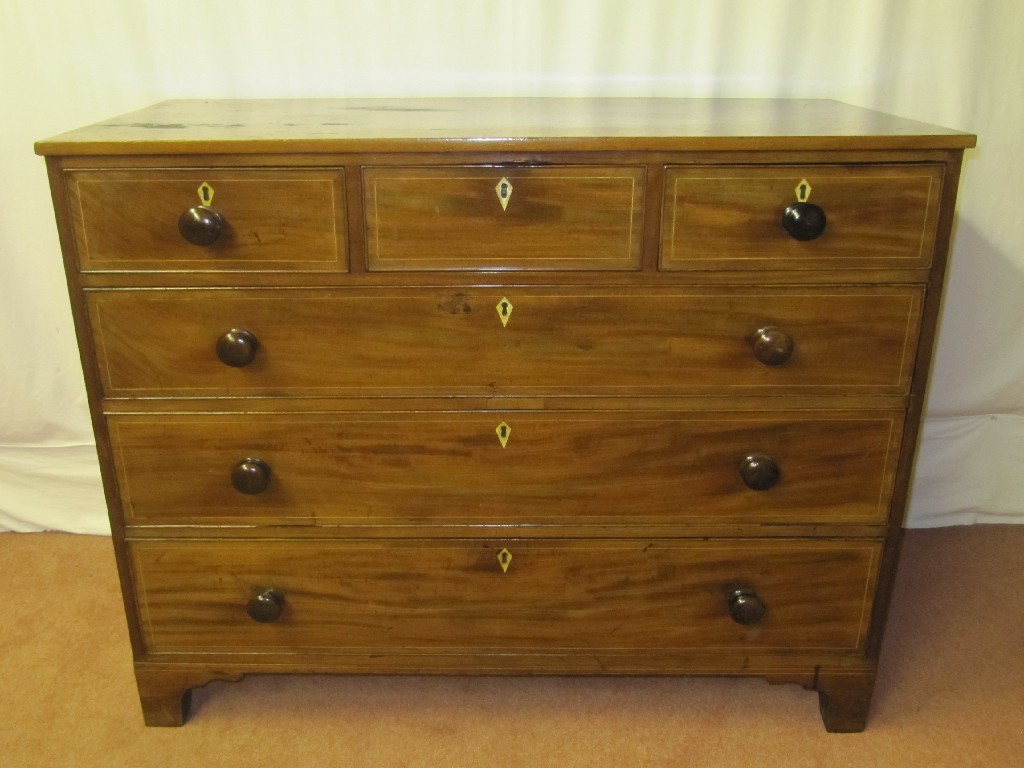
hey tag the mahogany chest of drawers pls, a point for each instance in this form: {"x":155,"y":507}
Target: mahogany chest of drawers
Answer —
{"x":506,"y":386}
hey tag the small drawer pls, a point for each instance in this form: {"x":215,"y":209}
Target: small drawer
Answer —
{"x":504,"y":218}
{"x":499,"y":468}
{"x":241,"y":220}
{"x":503,"y":596}
{"x":732,"y":217}
{"x":504,"y":341}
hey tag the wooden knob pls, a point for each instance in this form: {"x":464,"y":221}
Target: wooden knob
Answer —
{"x":265,"y":606}
{"x":803,"y":221}
{"x":745,"y":607}
{"x":772,"y":346}
{"x":759,"y":472}
{"x":201,"y":225}
{"x":237,"y":348}
{"x":250,"y":476}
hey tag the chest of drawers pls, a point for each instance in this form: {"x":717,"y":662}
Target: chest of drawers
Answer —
{"x":525,"y":386}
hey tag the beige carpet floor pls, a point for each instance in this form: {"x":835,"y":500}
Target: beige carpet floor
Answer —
{"x":950,"y":690}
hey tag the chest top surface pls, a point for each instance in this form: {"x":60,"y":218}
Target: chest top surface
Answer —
{"x":466,"y":124}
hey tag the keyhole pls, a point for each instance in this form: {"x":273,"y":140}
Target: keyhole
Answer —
{"x":206,"y":194}
{"x":503,"y":431}
{"x":504,"y":191}
{"x":504,"y":308}
{"x":803,"y":191}
{"x":504,"y":560}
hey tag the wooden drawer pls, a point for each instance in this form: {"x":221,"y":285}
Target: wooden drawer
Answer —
{"x":729,"y":217}
{"x":557,"y":342}
{"x":519,"y":468}
{"x":409,"y":596}
{"x":274,"y":220}
{"x":555,"y":218}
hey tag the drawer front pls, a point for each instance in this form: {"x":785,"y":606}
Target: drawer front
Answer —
{"x":272,"y":220}
{"x":408,"y":596}
{"x":876,"y":217}
{"x":504,"y":218}
{"x":519,"y":468}
{"x":572,"y":342}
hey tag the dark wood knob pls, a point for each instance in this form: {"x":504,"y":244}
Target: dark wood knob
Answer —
{"x":201,"y":225}
{"x":772,"y":346}
{"x":237,"y":348}
{"x":745,"y":607}
{"x":250,"y":476}
{"x":265,"y":606}
{"x":759,"y":472}
{"x":803,"y":221}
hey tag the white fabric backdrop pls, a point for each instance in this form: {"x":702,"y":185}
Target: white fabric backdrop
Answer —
{"x":959,"y":63}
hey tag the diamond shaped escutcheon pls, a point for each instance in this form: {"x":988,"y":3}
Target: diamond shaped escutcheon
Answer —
{"x":504,"y":560}
{"x":504,"y":191}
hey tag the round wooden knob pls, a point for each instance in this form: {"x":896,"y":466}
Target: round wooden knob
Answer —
{"x":745,"y":607}
{"x":265,"y":606}
{"x":250,"y":476}
{"x":759,"y":472}
{"x":772,"y":346}
{"x":201,"y":225}
{"x":803,"y":221}
{"x":237,"y":348}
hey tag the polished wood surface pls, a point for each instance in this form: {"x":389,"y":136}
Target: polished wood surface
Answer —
{"x":557,"y":342}
{"x":453,"y":596}
{"x":506,"y":124}
{"x":450,"y":468}
{"x":283,"y":219}
{"x":730,"y":217}
{"x":485,"y":386}
{"x":559,"y":218}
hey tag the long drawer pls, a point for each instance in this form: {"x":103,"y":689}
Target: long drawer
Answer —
{"x":494,"y":468}
{"x":506,"y":341}
{"x":408,"y":596}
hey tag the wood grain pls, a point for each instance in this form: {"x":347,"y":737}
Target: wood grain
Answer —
{"x":728,"y":217}
{"x":284,"y":219}
{"x":557,"y":342}
{"x":244,"y":126}
{"x":556,"y":218}
{"x":449,"y":468}
{"x":453,"y":596}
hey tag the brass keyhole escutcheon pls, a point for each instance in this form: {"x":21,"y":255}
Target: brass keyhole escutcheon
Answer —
{"x":803,"y":191}
{"x":504,"y":311}
{"x":205,"y":192}
{"x":504,"y":191}
{"x":504,"y":560}
{"x":504,"y":431}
